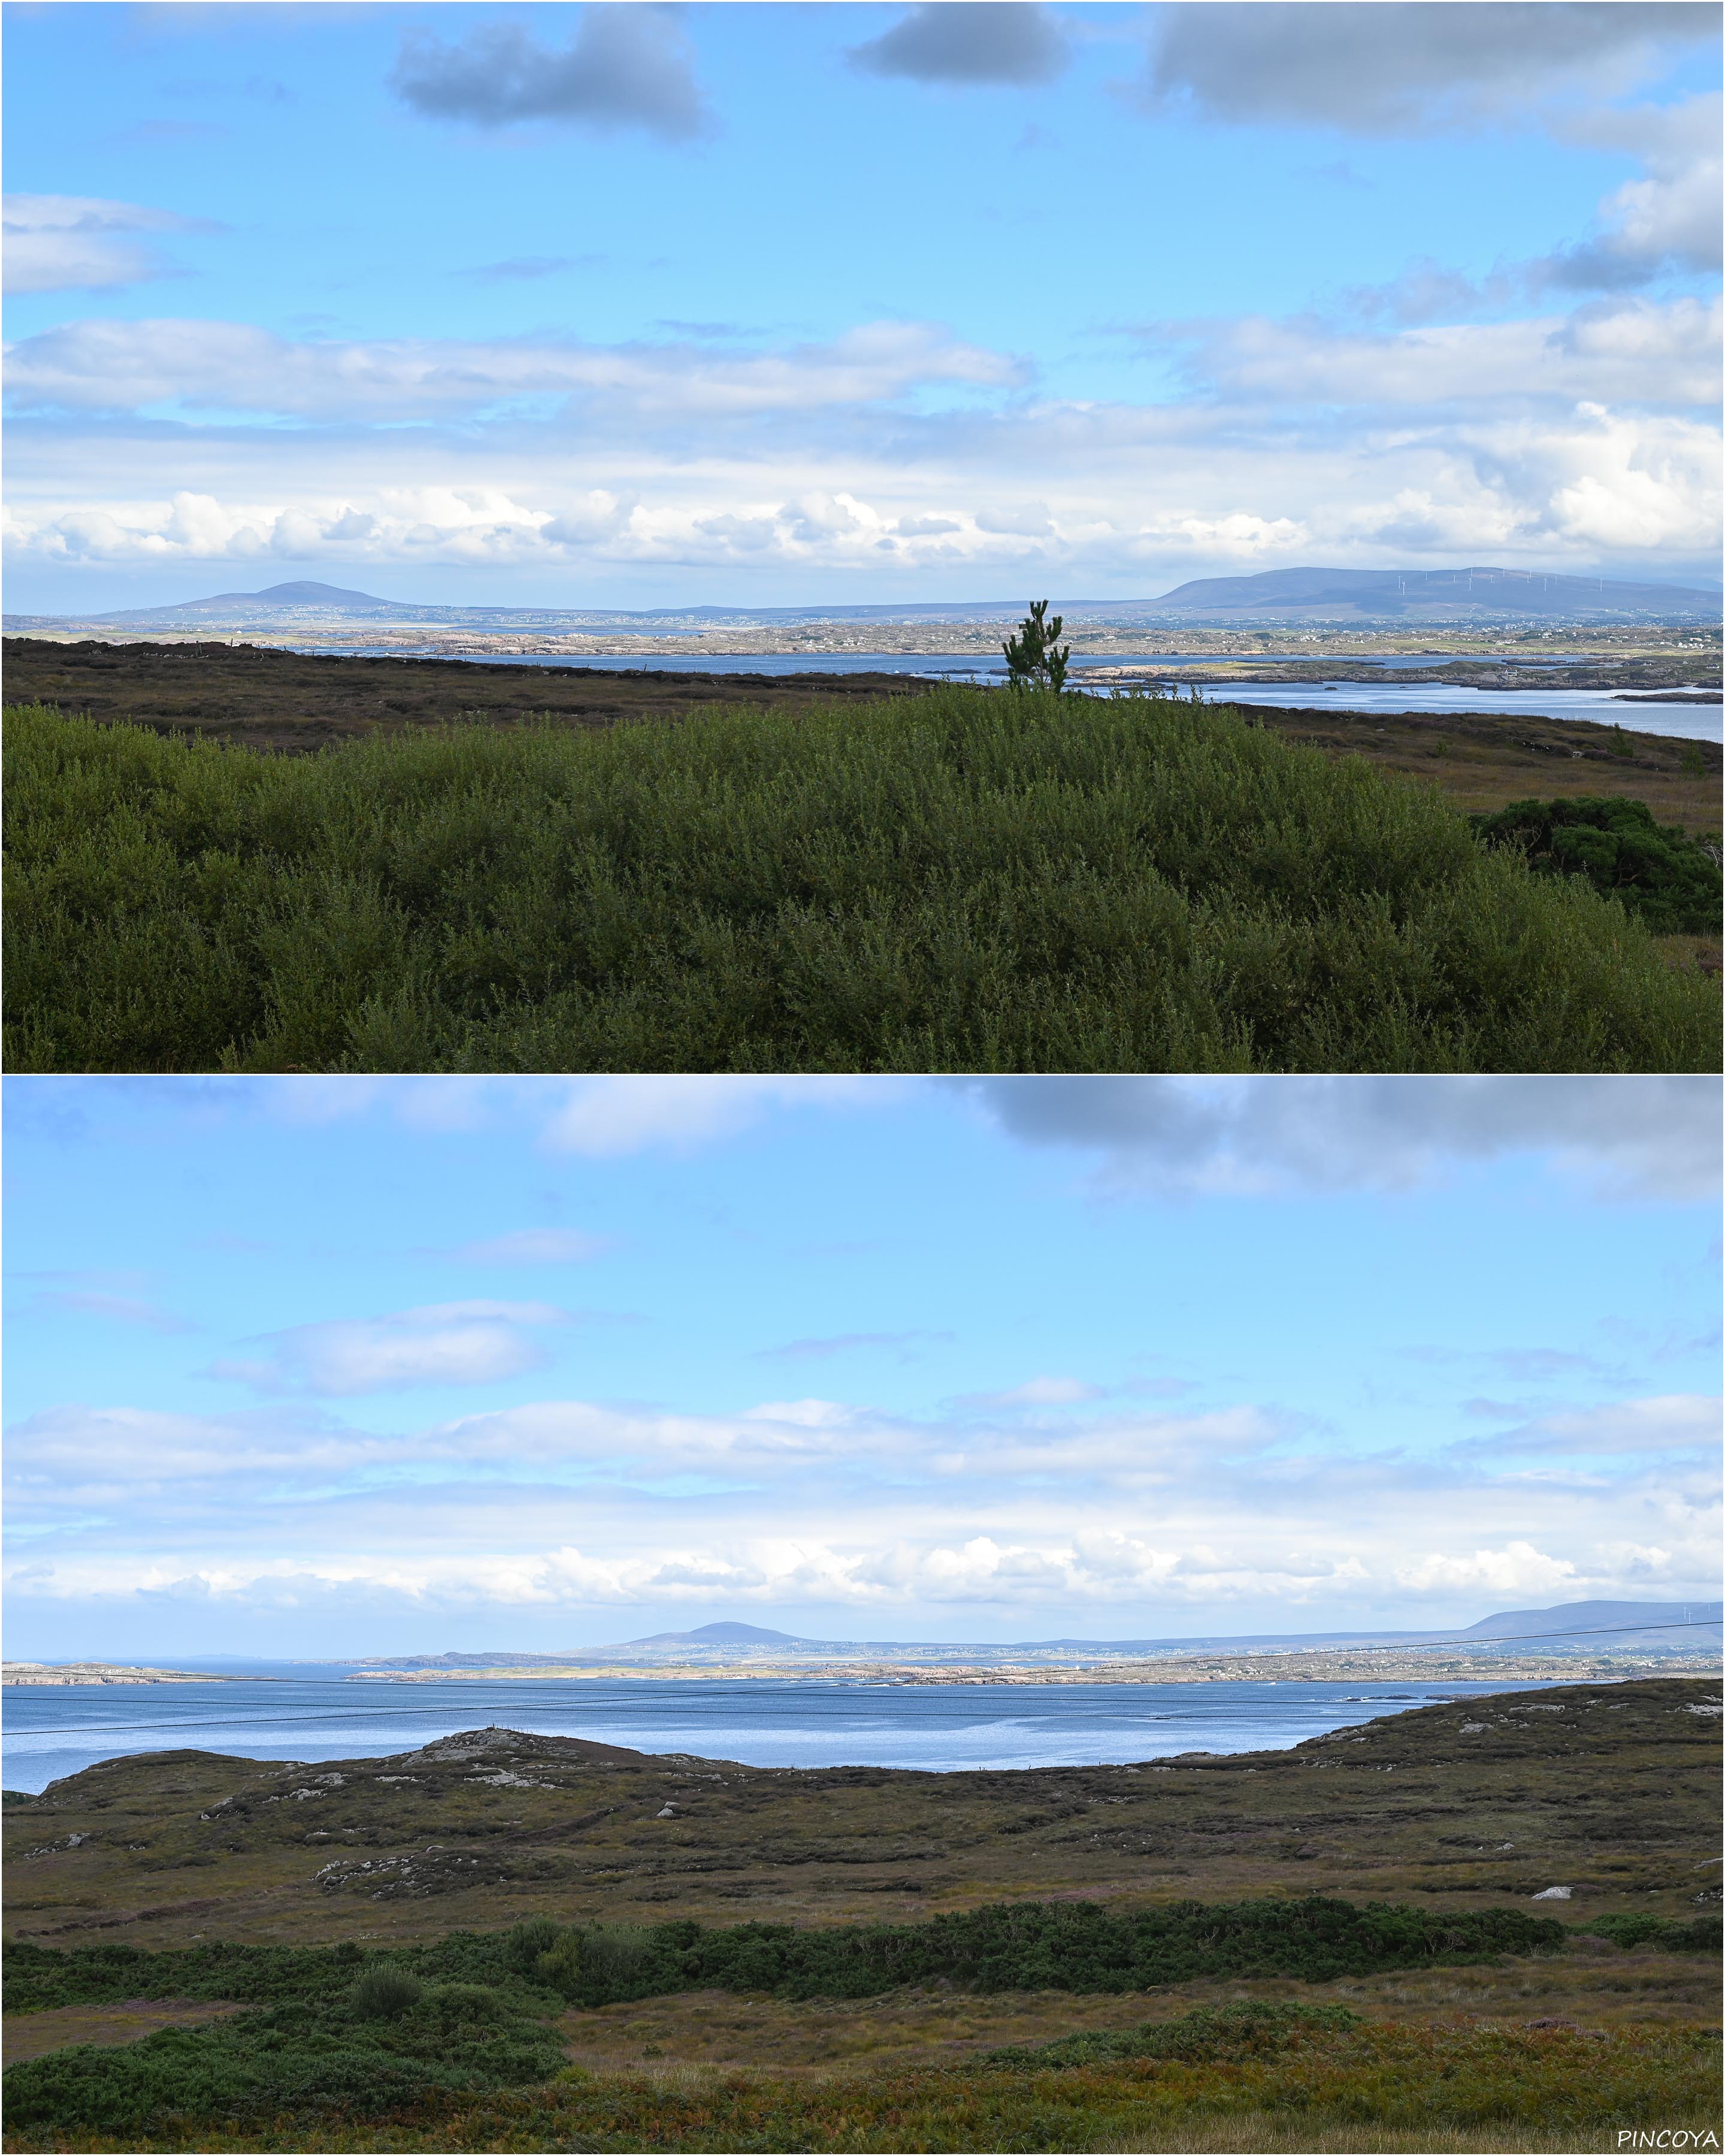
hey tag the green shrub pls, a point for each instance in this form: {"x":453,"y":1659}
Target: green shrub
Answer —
{"x":1317,"y":2083}
{"x":292,"y":2058}
{"x":559,"y":1968}
{"x":526,"y":1941}
{"x":616,"y":1957}
{"x":385,"y":1994}
{"x":1674,"y":1934}
{"x":38,"y":1977}
{"x":964,"y":880}
{"x":478,"y":2023}
{"x":1011,"y":1946}
{"x":1209,"y":2035}
{"x":463,"y":2002}
{"x":550,"y":1953}
{"x":1670,"y":881}
{"x":1032,"y":1946}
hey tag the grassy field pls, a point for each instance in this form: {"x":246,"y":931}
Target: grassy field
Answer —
{"x":1159,"y":1957}
{"x":1609,"y":1788}
{"x":465,"y":2068}
{"x":295,"y":703}
{"x":956,"y":880}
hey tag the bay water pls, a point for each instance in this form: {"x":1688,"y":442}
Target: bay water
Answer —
{"x":1604,"y":706}
{"x":317,"y":1713}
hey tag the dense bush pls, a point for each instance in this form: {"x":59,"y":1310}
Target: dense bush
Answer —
{"x":1671,"y":880}
{"x":963,"y":880}
{"x":477,"y":2024}
{"x":1032,"y":1946}
{"x":38,"y":1978}
{"x":614,"y":1957}
{"x":1313,"y":2082}
{"x":1015,"y":1946}
{"x":383,"y":1993}
{"x":1669,"y":1935}
{"x":291,"y":2057}
{"x":1209,"y":2036}
{"x":526,"y":1941}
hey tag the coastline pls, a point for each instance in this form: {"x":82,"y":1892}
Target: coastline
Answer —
{"x":1266,"y":1669}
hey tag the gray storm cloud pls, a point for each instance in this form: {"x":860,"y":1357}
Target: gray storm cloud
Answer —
{"x":1651,"y":1137}
{"x":626,"y":66}
{"x":976,"y":42}
{"x":1378,"y":67}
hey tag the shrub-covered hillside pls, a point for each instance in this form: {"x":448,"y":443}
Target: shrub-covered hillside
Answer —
{"x":1671,"y":880}
{"x":960,"y":880}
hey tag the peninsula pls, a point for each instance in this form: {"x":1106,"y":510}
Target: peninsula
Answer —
{"x":1571,"y":1640}
{"x":98,"y":1673}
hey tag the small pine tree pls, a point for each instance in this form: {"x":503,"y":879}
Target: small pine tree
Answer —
{"x":1033,"y":660}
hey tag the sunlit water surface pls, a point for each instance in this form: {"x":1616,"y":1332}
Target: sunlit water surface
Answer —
{"x":54,"y":1730}
{"x":1685,"y":721}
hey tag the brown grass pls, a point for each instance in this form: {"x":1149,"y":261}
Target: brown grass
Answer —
{"x":291,"y":703}
{"x":1617,"y":1795}
{"x":31,"y":2035}
{"x":1603,"y":1989}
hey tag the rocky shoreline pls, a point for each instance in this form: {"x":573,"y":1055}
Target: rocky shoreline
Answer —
{"x":1340,"y":1668}
{"x":102,"y":1673}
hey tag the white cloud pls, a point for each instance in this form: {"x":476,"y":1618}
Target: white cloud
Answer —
{"x":1043,"y":1393}
{"x":71,"y":1455}
{"x":81,"y":243}
{"x":843,"y":1343}
{"x":985,"y":1569}
{"x":450,"y":1343}
{"x":1672,"y":217}
{"x":1665,"y":224}
{"x":1541,"y":445}
{"x":1097,"y":1571}
{"x":1647,"y":1138}
{"x":126,"y":1309}
{"x":536,"y":1246}
{"x":423,"y":1104}
{"x":1517,"y":1568}
{"x":116,"y":366}
{"x":1611,"y":352}
{"x":831,"y":1444}
{"x":602,"y":1117}
{"x":568,"y":1504}
{"x":597,"y":1117}
{"x":803,"y":1414}
{"x":1678,"y":1422}
{"x":1667,"y":220}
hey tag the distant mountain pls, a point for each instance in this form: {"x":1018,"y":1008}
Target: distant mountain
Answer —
{"x":284,"y":605}
{"x":1570,"y":1619}
{"x":718,"y":1636}
{"x":322,"y":599}
{"x":1546,"y":1631}
{"x":1432,"y":593}
{"x":1436,"y":596}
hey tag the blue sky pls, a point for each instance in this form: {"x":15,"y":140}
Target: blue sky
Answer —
{"x":632,"y":305}
{"x":326,"y":1366}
